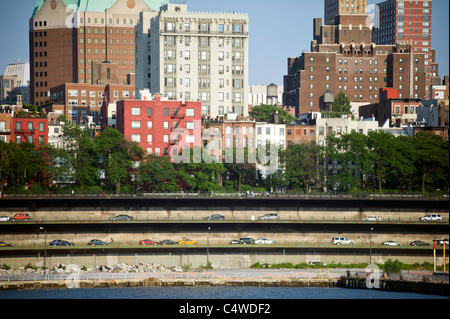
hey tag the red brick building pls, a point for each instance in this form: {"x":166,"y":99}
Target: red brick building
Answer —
{"x":84,"y":101}
{"x":358,"y":68}
{"x":67,"y":41}
{"x":29,"y":128}
{"x":392,"y":108}
{"x":160,"y":127}
{"x":300,"y":133}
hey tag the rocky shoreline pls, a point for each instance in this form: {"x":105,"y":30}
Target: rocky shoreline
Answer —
{"x":67,"y":269}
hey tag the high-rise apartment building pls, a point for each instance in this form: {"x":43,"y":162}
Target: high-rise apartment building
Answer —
{"x":15,"y":81}
{"x":334,"y":8}
{"x":195,"y":56}
{"x":69,"y":37}
{"x":407,"y":22}
{"x":358,"y":68}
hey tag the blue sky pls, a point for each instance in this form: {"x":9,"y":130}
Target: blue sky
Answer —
{"x":278,"y":30}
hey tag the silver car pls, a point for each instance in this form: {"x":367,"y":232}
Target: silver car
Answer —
{"x":390,"y":243}
{"x":264,"y":241}
{"x":270,"y":217}
{"x":5,"y":218}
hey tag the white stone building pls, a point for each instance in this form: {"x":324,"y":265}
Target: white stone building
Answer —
{"x":272,"y":136}
{"x":343,"y":125}
{"x":195,"y":56}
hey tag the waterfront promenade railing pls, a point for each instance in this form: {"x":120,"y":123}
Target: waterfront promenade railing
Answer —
{"x":242,"y":195}
{"x":230,"y":275}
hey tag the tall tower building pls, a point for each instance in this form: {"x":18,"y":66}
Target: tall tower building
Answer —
{"x":343,"y":58}
{"x":195,"y":56}
{"x":69,"y":37}
{"x":337,"y":7}
{"x":407,"y":22}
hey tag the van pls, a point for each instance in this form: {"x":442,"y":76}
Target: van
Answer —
{"x":246,"y":241}
{"x":431,"y":217}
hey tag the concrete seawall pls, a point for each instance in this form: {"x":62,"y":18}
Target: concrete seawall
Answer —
{"x":156,"y":282}
{"x":422,"y":287}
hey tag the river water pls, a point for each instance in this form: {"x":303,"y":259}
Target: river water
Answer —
{"x":213,"y":293}
{"x":219,"y":302}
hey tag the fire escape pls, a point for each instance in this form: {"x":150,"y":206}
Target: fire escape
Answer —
{"x":179,"y":117}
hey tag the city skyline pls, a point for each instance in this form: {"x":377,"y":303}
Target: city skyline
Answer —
{"x":272,"y":40}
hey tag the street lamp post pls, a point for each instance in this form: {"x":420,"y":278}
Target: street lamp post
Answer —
{"x":45,"y":246}
{"x":370,"y":245}
{"x":207,"y":247}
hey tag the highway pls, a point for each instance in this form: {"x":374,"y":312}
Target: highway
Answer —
{"x":303,"y":232}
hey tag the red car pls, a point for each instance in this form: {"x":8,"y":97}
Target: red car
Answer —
{"x":19,"y":217}
{"x":148,"y":242}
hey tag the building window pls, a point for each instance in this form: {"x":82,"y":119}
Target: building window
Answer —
{"x":136,"y":124}
{"x":136,"y":138}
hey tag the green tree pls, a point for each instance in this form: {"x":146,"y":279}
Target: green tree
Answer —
{"x":241,"y":166}
{"x":23,"y":165}
{"x":77,"y":158}
{"x":341,"y":103}
{"x":157,"y":173}
{"x":351,"y":161}
{"x":432,"y":161}
{"x":390,"y":156}
{"x":264,"y":113}
{"x":118,"y":156}
{"x":201,"y":172}
{"x":301,"y":165}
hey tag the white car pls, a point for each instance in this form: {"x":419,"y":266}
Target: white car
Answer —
{"x":372,"y":219}
{"x":5,"y":218}
{"x":342,"y":241}
{"x":264,"y":241}
{"x":431,"y":217}
{"x":390,"y":243}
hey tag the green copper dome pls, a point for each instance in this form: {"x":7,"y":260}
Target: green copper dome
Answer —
{"x":100,"y":5}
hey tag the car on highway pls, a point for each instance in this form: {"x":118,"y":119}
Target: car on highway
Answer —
{"x":122,"y":217}
{"x":390,"y":243}
{"x":3,"y":244}
{"x":145,"y":242}
{"x":441,"y":242}
{"x":431,"y":217}
{"x":341,"y":241}
{"x":234,"y":242}
{"x":97,"y":242}
{"x":215,"y":217}
{"x":419,"y":243}
{"x":246,"y":241}
{"x":270,"y":217}
{"x":21,"y":217}
{"x":59,"y":242}
{"x":372,"y":219}
{"x":5,"y":218}
{"x":167,"y":242}
{"x":188,"y":242}
{"x":264,"y":241}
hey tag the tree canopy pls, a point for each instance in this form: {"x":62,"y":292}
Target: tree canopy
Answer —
{"x":264,"y":113}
